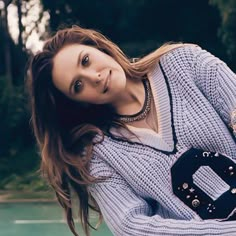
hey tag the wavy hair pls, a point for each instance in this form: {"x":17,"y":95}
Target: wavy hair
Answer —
{"x":65,"y":129}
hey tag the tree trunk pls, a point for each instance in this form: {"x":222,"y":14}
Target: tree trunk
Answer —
{"x":7,"y":48}
{"x":20,"y":25}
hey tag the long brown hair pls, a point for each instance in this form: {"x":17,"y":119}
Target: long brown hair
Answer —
{"x":65,"y":129}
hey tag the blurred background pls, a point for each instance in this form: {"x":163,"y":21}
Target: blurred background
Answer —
{"x":137,"y":26}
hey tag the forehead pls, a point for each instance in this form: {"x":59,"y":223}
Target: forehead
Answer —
{"x":64,"y":65}
{"x":67,"y":58}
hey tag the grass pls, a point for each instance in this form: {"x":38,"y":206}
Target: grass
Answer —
{"x":6,"y":196}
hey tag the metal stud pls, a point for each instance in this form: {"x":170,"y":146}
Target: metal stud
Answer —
{"x":188,"y":196}
{"x":185,"y":185}
{"x":195,"y":203}
{"x":233,"y":190}
{"x":231,"y":173}
{"x":231,"y":168}
{"x":216,"y":154}
{"x":205,"y":154}
{"x":191,"y":190}
{"x":210,"y":208}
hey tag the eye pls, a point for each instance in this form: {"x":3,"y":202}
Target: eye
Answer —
{"x":85,"y":60}
{"x":77,"y":86}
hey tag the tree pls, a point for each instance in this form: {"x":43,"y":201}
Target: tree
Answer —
{"x":20,"y":25}
{"x":6,"y":43}
{"x":227,"y":32}
{"x":141,"y":26}
{"x":15,"y":136}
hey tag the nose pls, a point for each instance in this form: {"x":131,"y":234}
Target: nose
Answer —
{"x":98,"y":78}
{"x":92,"y":77}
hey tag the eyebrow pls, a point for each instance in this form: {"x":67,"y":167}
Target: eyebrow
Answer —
{"x":75,"y":78}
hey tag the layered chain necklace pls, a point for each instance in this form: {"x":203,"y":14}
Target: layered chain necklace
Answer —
{"x":145,"y":109}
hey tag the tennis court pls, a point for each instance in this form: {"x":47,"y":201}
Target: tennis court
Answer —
{"x":27,"y":219}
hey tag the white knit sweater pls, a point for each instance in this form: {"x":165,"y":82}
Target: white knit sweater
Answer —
{"x":194,"y":102}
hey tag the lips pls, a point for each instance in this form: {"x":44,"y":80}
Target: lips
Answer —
{"x":106,"y":84}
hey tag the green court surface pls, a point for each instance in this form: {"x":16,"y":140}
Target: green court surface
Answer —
{"x":39,"y":219}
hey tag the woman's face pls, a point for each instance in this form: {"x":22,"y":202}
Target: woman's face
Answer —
{"x":86,"y":74}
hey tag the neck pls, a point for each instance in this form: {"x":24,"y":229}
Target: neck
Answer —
{"x":131,"y":100}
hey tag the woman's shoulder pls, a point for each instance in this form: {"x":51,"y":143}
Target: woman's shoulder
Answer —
{"x":176,"y":59}
{"x":98,"y":167}
{"x":188,"y":54}
{"x":103,"y":155}
{"x":183,"y":53}
{"x":176,"y":63}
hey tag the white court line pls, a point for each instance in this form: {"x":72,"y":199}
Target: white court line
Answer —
{"x":40,"y":221}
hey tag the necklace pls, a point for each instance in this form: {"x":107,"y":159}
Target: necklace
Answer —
{"x":145,"y":109}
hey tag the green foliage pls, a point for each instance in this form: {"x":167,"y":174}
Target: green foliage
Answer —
{"x":31,"y":181}
{"x":227,"y":30}
{"x":135,"y":21}
{"x":29,"y":195}
{"x":17,"y":150}
{"x":139,"y":26}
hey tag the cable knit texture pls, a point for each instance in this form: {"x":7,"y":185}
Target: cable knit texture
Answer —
{"x":194,"y":102}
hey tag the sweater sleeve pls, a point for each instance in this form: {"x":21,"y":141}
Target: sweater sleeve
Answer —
{"x":126,"y":213}
{"x":213,"y":77}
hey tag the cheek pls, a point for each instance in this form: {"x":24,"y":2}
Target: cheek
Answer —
{"x":92,"y":97}
{"x":120,"y":78}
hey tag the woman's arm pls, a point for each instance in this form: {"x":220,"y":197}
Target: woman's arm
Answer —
{"x":125,"y":213}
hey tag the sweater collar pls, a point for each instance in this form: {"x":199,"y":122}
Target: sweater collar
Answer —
{"x":164,"y":139}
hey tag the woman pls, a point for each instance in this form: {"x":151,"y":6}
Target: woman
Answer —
{"x":150,"y":142}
